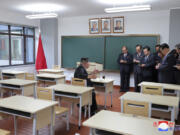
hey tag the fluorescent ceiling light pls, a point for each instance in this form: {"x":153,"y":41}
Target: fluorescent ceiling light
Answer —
{"x":123,"y":2}
{"x":42,"y":16}
{"x":128,"y":9}
{"x":41,"y":7}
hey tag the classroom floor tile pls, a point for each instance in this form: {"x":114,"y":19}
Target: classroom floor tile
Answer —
{"x":25,"y":125}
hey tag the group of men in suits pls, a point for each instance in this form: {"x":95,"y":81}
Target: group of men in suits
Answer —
{"x":162,"y":66}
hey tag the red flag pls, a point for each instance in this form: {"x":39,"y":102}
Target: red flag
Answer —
{"x":40,"y":59}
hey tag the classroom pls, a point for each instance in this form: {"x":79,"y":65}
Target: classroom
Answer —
{"x":89,"y":67}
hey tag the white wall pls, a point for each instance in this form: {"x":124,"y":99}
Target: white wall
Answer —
{"x":156,"y":22}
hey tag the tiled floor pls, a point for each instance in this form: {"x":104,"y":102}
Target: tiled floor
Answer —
{"x":25,"y":126}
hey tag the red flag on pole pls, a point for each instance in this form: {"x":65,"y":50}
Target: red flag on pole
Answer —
{"x":40,"y":59}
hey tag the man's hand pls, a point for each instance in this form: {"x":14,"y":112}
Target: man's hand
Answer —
{"x":178,"y":67}
{"x":93,"y":76}
{"x":143,"y":65}
{"x":157,"y":66}
{"x":95,"y":71}
{"x":123,"y":61}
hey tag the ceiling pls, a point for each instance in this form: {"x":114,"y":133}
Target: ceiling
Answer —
{"x":83,"y":7}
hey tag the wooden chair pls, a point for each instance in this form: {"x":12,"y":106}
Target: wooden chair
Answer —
{"x":2,"y":115}
{"x":153,"y":90}
{"x":46,"y":94}
{"x":76,"y":82}
{"x":4,"y":132}
{"x":136,"y":108}
{"x":29,"y":76}
{"x":56,"y":67}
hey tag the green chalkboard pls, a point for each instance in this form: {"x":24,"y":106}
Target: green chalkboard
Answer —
{"x":73,"y":48}
{"x":101,"y":49}
{"x":114,"y":45}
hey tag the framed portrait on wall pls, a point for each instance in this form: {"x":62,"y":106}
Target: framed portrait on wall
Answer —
{"x":105,"y":25}
{"x":94,"y":26}
{"x":118,"y":24}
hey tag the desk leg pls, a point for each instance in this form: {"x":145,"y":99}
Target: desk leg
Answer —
{"x":15,"y":125}
{"x":150,"y":109}
{"x":22,"y":92}
{"x":89,"y":110}
{"x":122,"y":106}
{"x":111,"y":97}
{"x":34,"y":124}
{"x":80,"y":109}
{"x":173,"y":114}
{"x":105,"y":99}
{"x":52,"y":120}
{"x":35,"y":93}
{"x":91,"y":132}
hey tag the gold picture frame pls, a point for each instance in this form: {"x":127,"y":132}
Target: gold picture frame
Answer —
{"x":94,"y":26}
{"x":118,"y":24}
{"x":106,"y":25}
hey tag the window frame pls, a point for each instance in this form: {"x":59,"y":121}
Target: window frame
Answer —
{"x":9,"y":34}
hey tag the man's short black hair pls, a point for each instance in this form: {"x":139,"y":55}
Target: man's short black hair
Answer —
{"x":178,"y":46}
{"x":138,"y":45}
{"x":158,"y":45}
{"x":164,"y":45}
{"x":84,"y":60}
{"x":147,"y":47}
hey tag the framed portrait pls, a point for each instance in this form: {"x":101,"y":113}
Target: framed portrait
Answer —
{"x":118,"y":24}
{"x":94,"y":26}
{"x":105,"y":25}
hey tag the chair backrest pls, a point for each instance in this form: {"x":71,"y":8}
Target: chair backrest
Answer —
{"x":29,"y":76}
{"x":4,"y":132}
{"x":56,"y":67}
{"x":78,"y":82}
{"x":136,"y":108}
{"x":44,"y":93}
{"x":153,"y":90}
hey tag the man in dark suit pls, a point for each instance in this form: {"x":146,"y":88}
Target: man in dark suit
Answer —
{"x":125,"y":60}
{"x":157,"y":59}
{"x":137,"y":70}
{"x":81,"y":73}
{"x":166,"y":67}
{"x":177,"y":70}
{"x":147,"y":65}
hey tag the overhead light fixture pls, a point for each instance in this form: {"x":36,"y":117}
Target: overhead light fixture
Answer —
{"x":123,"y":2}
{"x":128,"y":9}
{"x":41,"y":7}
{"x":42,"y":16}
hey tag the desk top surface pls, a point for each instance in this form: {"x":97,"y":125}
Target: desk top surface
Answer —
{"x":51,"y":70}
{"x":71,"y":88}
{"x":26,"y":104}
{"x":124,"y":124}
{"x":19,"y":82}
{"x":101,"y":80}
{"x":155,"y":99}
{"x":13,"y":72}
{"x":164,"y":85}
{"x":52,"y":76}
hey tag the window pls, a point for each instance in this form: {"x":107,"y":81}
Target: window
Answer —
{"x":4,"y":50}
{"x":17,"y":45}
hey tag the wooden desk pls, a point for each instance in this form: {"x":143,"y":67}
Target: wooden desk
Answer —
{"x":125,"y":124}
{"x":51,"y":71}
{"x":41,"y":111}
{"x":84,"y":94}
{"x":108,"y":87}
{"x":172,"y":102}
{"x":56,"y":78}
{"x":8,"y":74}
{"x":27,"y":87}
{"x":164,"y":85}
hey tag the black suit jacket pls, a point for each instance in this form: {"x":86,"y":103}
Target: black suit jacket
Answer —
{"x":81,"y":73}
{"x":166,"y":69}
{"x":157,"y":58}
{"x":137,"y":68}
{"x":125,"y":67}
{"x":147,"y":71}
